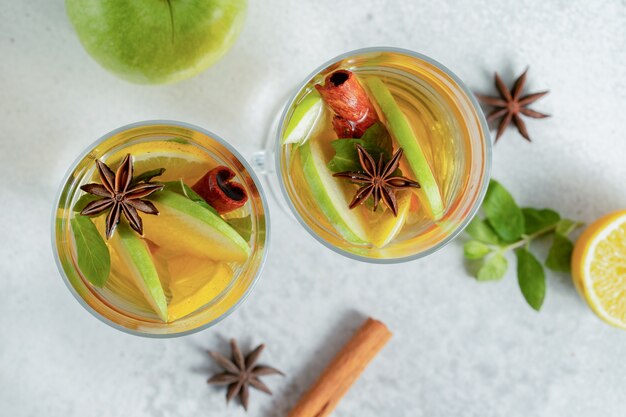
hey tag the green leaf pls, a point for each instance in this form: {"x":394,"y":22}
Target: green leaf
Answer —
{"x":567,"y":226}
{"x":347,"y":158}
{"x":243,"y":226}
{"x":475,"y":249}
{"x":535,"y":219}
{"x":93,"y":255}
{"x":493,"y":269}
{"x":531,"y":278}
{"x":482,"y":231}
{"x":83,"y":201}
{"x":503,"y":213}
{"x":560,"y":255}
{"x":148,"y":175}
{"x":181,"y":188}
{"x":375,"y":140}
{"x":378,"y":136}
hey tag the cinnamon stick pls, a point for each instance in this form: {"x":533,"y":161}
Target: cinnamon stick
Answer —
{"x":343,"y":370}
{"x":354,"y":111}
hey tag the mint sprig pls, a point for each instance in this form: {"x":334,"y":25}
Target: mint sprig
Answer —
{"x":506,"y":227}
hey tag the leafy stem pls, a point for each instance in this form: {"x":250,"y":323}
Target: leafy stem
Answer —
{"x":507,"y":227}
{"x":526,"y":239}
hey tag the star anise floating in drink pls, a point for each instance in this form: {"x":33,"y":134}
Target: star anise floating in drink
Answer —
{"x":510,"y":106}
{"x":120,"y":195}
{"x":241,"y":372}
{"x":377,"y":180}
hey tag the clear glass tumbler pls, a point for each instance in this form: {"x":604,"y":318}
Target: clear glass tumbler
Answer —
{"x":448,"y":125}
{"x":196,"y":287}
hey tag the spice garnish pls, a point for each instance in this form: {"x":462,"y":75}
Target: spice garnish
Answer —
{"x":377,"y":180}
{"x":509,"y":106}
{"x":354,"y":111}
{"x":218,"y":189}
{"x":240,"y":373}
{"x":120,"y":196}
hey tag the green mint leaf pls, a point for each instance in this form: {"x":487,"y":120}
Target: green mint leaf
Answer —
{"x":181,"y":188}
{"x":503,"y":213}
{"x":242,"y":225}
{"x":475,"y":249}
{"x":482,"y":231}
{"x":93,"y":255}
{"x":535,"y":219}
{"x":147,"y":176}
{"x":347,"y":158}
{"x":567,"y":226}
{"x":375,"y":140}
{"x":531,"y":278}
{"x":560,"y":255}
{"x":378,"y":136}
{"x":493,"y":269}
{"x":83,"y":201}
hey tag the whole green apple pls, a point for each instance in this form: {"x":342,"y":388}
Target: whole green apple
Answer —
{"x":156,"y":41}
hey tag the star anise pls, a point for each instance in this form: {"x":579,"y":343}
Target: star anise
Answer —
{"x":120,"y":195}
{"x":377,"y":180}
{"x":240,"y":373}
{"x":509,"y":106}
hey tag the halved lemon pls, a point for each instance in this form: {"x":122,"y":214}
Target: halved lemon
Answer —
{"x":599,"y":267}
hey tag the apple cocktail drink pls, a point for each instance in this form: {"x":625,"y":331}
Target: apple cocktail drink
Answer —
{"x":375,"y":156}
{"x":159,"y":229}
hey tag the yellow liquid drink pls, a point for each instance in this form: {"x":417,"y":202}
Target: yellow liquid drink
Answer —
{"x":415,"y":105}
{"x":190,"y":236}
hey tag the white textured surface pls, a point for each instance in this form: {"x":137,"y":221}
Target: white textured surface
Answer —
{"x":460,"y":348}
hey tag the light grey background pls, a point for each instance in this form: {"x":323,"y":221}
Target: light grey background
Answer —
{"x":460,"y":348}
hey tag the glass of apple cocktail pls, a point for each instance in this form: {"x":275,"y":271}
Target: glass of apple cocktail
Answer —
{"x":160,"y":228}
{"x":383,"y":155}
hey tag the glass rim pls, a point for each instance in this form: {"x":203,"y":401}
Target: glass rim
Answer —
{"x":184,"y":125}
{"x":486,"y":140}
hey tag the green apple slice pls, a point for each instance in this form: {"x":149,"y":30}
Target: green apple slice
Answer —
{"x":135,"y":254}
{"x":304,"y":119}
{"x":193,"y":229}
{"x":402,"y":132}
{"x":329,"y":194}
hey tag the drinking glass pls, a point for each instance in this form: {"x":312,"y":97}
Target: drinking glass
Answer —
{"x":204,"y":289}
{"x":449,"y":126}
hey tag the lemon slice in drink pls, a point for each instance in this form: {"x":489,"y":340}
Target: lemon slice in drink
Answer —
{"x":599,"y":267}
{"x":193,"y":283}
{"x":385,"y":226}
{"x":178,"y":159}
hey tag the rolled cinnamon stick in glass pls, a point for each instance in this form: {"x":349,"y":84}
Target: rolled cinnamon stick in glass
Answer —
{"x":354,"y":111}
{"x":343,"y":370}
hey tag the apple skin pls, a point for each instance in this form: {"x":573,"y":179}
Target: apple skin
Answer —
{"x":156,"y":41}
